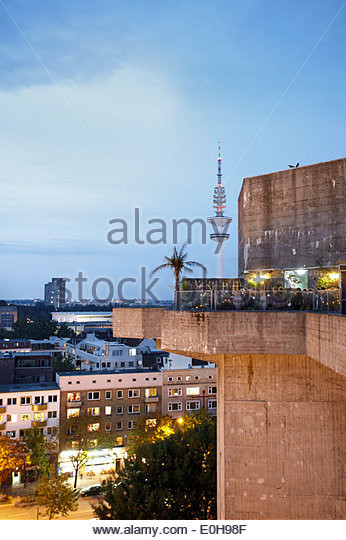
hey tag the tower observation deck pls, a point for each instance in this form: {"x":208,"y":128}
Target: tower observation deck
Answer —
{"x":219,"y":222}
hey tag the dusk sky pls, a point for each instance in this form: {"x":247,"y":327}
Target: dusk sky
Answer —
{"x":112,"y":105}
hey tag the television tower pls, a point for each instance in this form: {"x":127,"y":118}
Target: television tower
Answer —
{"x":219,"y":221}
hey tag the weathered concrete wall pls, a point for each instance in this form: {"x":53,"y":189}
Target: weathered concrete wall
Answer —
{"x":281,"y":406}
{"x":137,"y":322}
{"x":293,"y":218}
{"x":281,"y":441}
{"x":326,"y":340}
{"x":240,"y":332}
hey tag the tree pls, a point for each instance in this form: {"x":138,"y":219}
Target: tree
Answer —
{"x":77,"y":435}
{"x":65,"y":332}
{"x":12,"y":456}
{"x":57,"y":496}
{"x":39,"y":450}
{"x":62,"y":364}
{"x":169,"y":477}
{"x":178,"y":263}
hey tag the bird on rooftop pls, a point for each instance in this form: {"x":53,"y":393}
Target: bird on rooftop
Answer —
{"x":294,"y":166}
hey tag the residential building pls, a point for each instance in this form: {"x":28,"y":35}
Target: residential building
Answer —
{"x":93,"y":353}
{"x":27,"y":406}
{"x":55,"y":292}
{"x":26,"y":367}
{"x":113,"y":400}
{"x":189,"y":390}
{"x":8,"y":316}
{"x":15,"y":345}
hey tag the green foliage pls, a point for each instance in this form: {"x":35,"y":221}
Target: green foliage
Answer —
{"x":177,"y":262}
{"x":325,"y":282}
{"x":170,"y":477}
{"x":56,"y":495}
{"x":63,"y":364}
{"x":75,"y":435}
{"x":39,"y":450}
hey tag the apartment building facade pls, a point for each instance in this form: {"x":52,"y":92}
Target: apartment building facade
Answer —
{"x":111,"y":401}
{"x":26,"y":406}
{"x":26,"y":367}
{"x":186,"y":391}
{"x":97,"y":354}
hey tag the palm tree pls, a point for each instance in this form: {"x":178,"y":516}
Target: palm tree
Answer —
{"x":178,"y":263}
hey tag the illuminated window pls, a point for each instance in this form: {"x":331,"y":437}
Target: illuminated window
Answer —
{"x":134,"y":393}
{"x":108,"y":426}
{"x":211,"y":389}
{"x":25,"y":417}
{"x":192,"y":391}
{"x":72,"y":413}
{"x":108,"y":410}
{"x":192,"y":405}
{"x":134,"y":409}
{"x":119,"y":441}
{"x":150,"y":392}
{"x":212,"y":404}
{"x":175,"y":406}
{"x":94,"y":427}
{"x":94,"y":411}
{"x":172,"y":392}
{"x":73,"y":396}
{"x":38,"y":416}
{"x":132,"y":352}
{"x":188,"y":378}
{"x":151,"y":422}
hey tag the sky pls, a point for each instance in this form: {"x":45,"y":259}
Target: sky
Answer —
{"x":110,"y":106}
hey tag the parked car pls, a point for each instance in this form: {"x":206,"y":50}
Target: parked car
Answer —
{"x":90,"y":491}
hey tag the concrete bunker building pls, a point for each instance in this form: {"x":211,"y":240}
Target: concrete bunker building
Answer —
{"x":280,"y":373}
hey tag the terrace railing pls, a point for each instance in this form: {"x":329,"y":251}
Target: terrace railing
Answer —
{"x":256,"y":300}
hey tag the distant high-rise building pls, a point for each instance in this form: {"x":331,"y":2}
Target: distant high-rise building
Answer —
{"x":54,"y":293}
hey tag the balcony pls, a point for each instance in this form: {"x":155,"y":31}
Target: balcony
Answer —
{"x":2,"y":426}
{"x":151,"y":399}
{"x":2,"y":410}
{"x":39,"y":424}
{"x":320,"y":301}
{"x":37,"y":408}
{"x":72,"y":404}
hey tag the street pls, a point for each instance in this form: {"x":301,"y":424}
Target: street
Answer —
{"x":85,"y":511}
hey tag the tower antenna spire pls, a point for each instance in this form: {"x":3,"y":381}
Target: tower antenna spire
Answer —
{"x":219,"y":173}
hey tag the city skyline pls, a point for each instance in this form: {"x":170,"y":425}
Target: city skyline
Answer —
{"x":109,"y":108}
